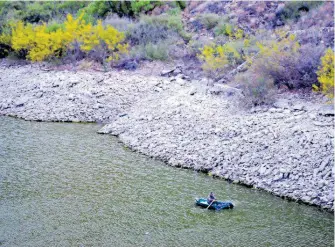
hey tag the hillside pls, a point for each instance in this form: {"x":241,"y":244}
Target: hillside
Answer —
{"x":273,"y":44}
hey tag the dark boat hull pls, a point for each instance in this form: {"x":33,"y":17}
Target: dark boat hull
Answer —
{"x":217,"y":205}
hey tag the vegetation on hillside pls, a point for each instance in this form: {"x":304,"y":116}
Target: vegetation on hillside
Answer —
{"x":270,"y":44}
{"x":326,"y":74}
{"x":73,"y":36}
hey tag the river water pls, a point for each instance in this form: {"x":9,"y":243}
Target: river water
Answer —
{"x":64,"y":185}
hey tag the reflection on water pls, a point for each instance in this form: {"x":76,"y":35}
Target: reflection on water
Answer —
{"x":64,"y":185}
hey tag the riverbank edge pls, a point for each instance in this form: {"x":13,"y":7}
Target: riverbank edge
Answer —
{"x":284,"y":197}
{"x":329,"y":210}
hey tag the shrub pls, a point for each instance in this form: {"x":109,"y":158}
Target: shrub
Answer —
{"x":225,"y":29}
{"x":24,"y":39}
{"x":121,"y":8}
{"x":326,"y":74}
{"x":288,"y":63}
{"x":154,"y":48}
{"x":143,"y":6}
{"x":54,"y":26}
{"x":144,"y":33}
{"x":174,"y":12}
{"x":274,"y":54}
{"x":153,"y":37}
{"x":173,"y":22}
{"x":228,"y":30}
{"x":70,"y":7}
{"x":37,"y":12}
{"x":195,"y":47}
{"x":257,"y":89}
{"x":209,"y":20}
{"x":187,"y":37}
{"x":280,"y":61}
{"x":41,"y":42}
{"x":219,"y":58}
{"x":303,"y":72}
{"x":159,"y":51}
{"x":5,"y":35}
{"x":98,"y":9}
{"x":72,"y":54}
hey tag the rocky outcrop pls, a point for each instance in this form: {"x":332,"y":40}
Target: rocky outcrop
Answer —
{"x":286,"y":150}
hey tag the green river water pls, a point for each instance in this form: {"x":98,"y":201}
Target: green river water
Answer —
{"x":64,"y":185}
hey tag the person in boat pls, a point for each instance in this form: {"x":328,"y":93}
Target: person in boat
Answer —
{"x":211,"y":198}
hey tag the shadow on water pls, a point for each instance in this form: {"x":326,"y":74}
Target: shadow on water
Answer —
{"x":64,"y":185}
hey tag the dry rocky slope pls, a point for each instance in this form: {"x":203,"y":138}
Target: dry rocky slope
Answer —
{"x":286,"y":150}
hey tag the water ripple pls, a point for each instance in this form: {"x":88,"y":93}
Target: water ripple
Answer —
{"x":64,"y":185}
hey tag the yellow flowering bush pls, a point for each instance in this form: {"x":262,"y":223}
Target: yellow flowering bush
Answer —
{"x":94,"y":36}
{"x":232,"y":32}
{"x":5,"y":39}
{"x":326,"y":74}
{"x":36,"y":41}
{"x":42,"y":42}
{"x":282,"y":45}
{"x":218,"y":57}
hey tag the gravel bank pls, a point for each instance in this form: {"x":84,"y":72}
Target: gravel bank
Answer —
{"x":286,"y":150}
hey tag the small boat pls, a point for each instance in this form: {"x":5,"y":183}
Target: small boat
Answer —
{"x":217,"y":205}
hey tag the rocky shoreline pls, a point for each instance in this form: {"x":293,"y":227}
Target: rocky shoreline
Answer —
{"x":286,"y":149}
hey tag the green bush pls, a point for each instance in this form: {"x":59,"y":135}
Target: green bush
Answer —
{"x":150,"y":51}
{"x":174,"y":11}
{"x":223,"y":28}
{"x":54,"y":26}
{"x":143,"y":6}
{"x":157,"y":51}
{"x":70,"y":7}
{"x":11,"y":11}
{"x":121,"y":8}
{"x":173,"y":22}
{"x":95,"y":10}
{"x":98,"y":9}
{"x":209,"y":20}
{"x":154,"y":36}
{"x":34,"y":12}
{"x":186,"y":36}
{"x":37,"y":12}
{"x":151,"y":41}
{"x":229,"y":30}
{"x":144,"y":33}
